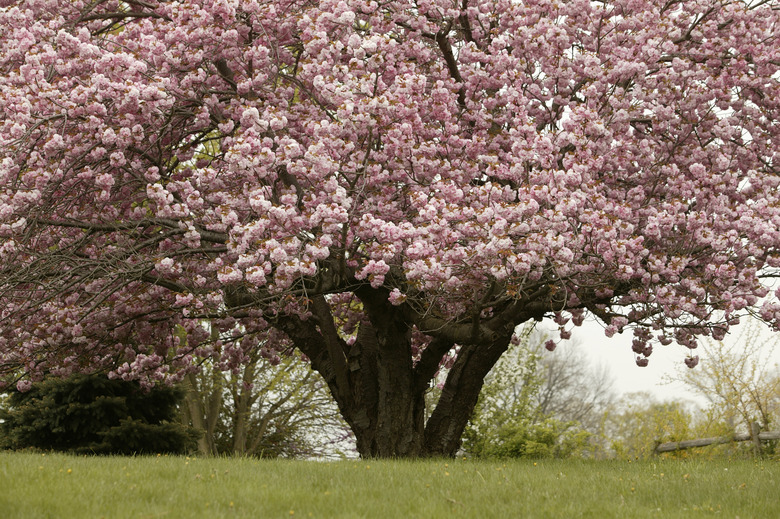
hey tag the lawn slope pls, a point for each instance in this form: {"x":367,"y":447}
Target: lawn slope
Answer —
{"x":37,"y":486}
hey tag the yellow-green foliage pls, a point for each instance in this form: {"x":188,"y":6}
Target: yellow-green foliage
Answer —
{"x":634,"y":429}
{"x":642,"y":426}
{"x":739,"y":378}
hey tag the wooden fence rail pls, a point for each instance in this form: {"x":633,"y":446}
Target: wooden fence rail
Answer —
{"x":703,"y":442}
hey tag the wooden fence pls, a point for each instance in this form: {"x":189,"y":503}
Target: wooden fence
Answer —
{"x":755,"y":435}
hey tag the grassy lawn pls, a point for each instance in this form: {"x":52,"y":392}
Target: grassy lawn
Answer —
{"x":58,"y":486}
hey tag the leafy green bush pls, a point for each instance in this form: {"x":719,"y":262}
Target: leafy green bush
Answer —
{"x":92,"y":414}
{"x":549,"y":438}
{"x":510,"y":421}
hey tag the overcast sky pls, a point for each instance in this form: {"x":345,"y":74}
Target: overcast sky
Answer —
{"x":616,"y":353}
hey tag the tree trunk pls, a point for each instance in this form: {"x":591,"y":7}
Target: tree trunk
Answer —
{"x":386,"y":395}
{"x":204,"y":418}
{"x":203,"y":411}
{"x":459,"y":396}
{"x":213,"y":410}
{"x":194,"y":412}
{"x":380,"y":391}
{"x":242,"y":399}
{"x":373,"y":381}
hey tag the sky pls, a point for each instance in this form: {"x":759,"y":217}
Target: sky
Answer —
{"x":616,"y":353}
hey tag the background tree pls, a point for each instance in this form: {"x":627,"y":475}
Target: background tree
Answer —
{"x":90,"y":414}
{"x":270,"y":408}
{"x":739,"y":379}
{"x":430,"y":174}
{"x":634,"y":426}
{"x":572,"y":388}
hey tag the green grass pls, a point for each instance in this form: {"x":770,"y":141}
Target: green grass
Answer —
{"x":58,"y":486}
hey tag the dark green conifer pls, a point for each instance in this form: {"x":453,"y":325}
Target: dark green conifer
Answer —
{"x":90,"y":414}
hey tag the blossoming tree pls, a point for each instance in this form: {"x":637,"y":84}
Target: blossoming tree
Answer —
{"x":387,"y":187}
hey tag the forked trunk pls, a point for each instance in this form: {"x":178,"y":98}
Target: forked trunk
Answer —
{"x":202,"y":411}
{"x":380,"y":391}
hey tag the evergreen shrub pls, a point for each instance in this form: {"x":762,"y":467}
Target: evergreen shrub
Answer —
{"x":91,"y":414}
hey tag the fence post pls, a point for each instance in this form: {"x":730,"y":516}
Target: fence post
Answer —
{"x":754,"y":430}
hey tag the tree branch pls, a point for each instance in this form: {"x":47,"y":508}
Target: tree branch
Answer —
{"x":429,"y":362}
{"x":452,"y":65}
{"x":333,"y":342}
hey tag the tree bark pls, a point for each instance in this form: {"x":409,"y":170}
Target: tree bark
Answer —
{"x":203,"y":419}
{"x":388,"y":398}
{"x":194,"y":412}
{"x":242,"y":403}
{"x":379,"y":390}
{"x":460,"y":394}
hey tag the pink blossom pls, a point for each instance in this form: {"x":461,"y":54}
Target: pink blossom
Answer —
{"x":396,"y":297}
